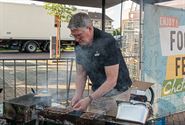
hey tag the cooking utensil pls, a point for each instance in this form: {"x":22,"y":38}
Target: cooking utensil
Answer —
{"x":132,"y":111}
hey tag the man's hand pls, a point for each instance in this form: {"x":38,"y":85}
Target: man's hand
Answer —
{"x":75,"y":100}
{"x":82,"y":104}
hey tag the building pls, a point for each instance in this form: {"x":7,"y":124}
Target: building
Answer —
{"x":130,"y":43}
{"x":130,"y":28}
{"x":97,"y":21}
{"x":131,"y":34}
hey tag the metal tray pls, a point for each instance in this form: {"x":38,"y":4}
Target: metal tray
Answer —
{"x":135,"y":112}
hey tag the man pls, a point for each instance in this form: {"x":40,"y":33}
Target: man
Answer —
{"x":99,"y":58}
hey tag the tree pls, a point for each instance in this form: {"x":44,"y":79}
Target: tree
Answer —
{"x":64,"y":12}
{"x":61,"y":13}
{"x":116,"y":32}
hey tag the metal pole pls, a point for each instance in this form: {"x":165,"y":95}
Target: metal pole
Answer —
{"x":57,"y":79}
{"x":25,"y":76}
{"x":14,"y":78}
{"x":140,"y":37}
{"x":88,"y":86}
{"x":121,"y":14}
{"x":36,"y":75}
{"x":103,"y":15}
{"x":3,"y":80}
{"x":67,"y":83}
{"x":47,"y":75}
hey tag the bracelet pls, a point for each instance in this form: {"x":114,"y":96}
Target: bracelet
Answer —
{"x":91,"y":98}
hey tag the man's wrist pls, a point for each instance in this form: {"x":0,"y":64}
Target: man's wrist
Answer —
{"x":90,"y":98}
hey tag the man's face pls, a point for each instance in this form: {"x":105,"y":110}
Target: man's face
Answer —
{"x":82,"y":35}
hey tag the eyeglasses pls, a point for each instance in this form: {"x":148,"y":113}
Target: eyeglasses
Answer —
{"x":79,"y":33}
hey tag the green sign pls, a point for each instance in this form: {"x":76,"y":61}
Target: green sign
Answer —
{"x":173,"y":86}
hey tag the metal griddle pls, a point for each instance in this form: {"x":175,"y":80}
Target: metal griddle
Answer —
{"x":60,"y":116}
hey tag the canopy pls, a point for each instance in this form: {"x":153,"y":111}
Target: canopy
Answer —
{"x":151,"y":1}
{"x":98,"y":3}
{"x":87,"y":3}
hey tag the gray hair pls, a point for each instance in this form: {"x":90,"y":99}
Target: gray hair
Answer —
{"x":79,"y":20}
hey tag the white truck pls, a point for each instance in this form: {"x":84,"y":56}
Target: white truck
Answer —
{"x":29,"y":27}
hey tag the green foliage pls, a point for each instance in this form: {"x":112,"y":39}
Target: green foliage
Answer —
{"x":63,"y":11}
{"x":116,"y":32}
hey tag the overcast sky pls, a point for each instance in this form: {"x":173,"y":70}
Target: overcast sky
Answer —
{"x":113,"y":12}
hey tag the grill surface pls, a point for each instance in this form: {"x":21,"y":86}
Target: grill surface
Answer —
{"x":59,"y":116}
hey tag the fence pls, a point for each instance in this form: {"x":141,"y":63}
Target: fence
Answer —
{"x":22,"y":76}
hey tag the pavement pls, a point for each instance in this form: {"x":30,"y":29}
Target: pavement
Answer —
{"x":14,"y":54}
{"x":45,"y":78}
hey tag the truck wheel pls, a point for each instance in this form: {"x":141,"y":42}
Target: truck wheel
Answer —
{"x":31,"y":47}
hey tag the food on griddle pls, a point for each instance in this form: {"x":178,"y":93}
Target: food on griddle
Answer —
{"x":89,"y":115}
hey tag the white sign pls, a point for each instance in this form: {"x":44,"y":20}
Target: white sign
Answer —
{"x":172,"y":40}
